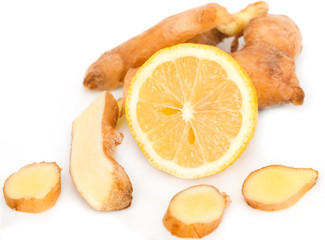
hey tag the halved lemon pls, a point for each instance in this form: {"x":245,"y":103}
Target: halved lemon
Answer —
{"x":192,"y":110}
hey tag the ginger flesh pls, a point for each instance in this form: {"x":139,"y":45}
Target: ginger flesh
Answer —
{"x":196,"y":25}
{"x":34,"y":188}
{"x":100,"y":180}
{"x":277,"y":187}
{"x":195,"y":212}
{"x":272,"y":44}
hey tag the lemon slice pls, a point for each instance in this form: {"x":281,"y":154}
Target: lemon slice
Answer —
{"x":192,"y":110}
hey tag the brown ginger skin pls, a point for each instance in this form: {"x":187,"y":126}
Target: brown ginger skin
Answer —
{"x":273,"y":74}
{"x":111,"y":136}
{"x":183,"y":230}
{"x":277,"y":30}
{"x":272,"y":43}
{"x":121,"y":193}
{"x":132,"y":54}
{"x":211,"y":37}
{"x":196,"y":25}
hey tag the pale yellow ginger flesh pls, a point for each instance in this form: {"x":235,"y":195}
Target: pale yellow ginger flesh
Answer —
{"x":34,"y":188}
{"x":201,"y":204}
{"x":100,"y":180}
{"x":277,"y":187}
{"x":196,"y":211}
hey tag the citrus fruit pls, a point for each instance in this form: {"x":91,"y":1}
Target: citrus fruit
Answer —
{"x":192,"y":110}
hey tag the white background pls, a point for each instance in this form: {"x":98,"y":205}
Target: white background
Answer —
{"x":45,"y":49}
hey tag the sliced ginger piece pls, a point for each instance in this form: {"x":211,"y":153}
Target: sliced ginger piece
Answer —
{"x":277,"y":187}
{"x":34,"y":188}
{"x":196,"y":211}
{"x":100,"y":180}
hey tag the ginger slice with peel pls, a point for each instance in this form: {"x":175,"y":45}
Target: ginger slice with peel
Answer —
{"x":109,"y":70}
{"x":277,"y":187}
{"x":100,"y":180}
{"x":34,"y":188}
{"x":196,"y":211}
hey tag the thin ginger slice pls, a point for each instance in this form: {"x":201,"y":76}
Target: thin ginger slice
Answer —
{"x":100,"y":180}
{"x":34,"y":188}
{"x":277,"y":187}
{"x":196,"y":211}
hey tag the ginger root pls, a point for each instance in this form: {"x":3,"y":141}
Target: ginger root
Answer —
{"x":34,"y":188}
{"x":100,"y":180}
{"x":109,"y":70}
{"x":277,"y":187}
{"x":196,"y":211}
{"x":272,"y":43}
